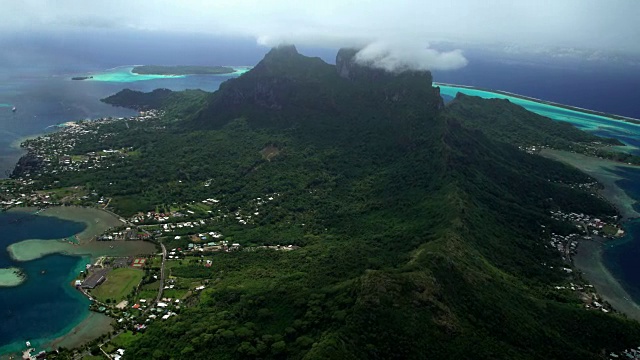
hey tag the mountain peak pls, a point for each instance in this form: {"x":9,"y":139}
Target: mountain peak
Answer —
{"x":350,"y":67}
{"x":282,"y":50}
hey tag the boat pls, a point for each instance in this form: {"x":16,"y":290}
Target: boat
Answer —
{"x":14,"y":109}
{"x":28,"y":344}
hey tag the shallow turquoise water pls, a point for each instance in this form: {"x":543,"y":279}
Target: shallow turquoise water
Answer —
{"x":628,"y":133}
{"x":124,"y":74}
{"x":45,"y":306}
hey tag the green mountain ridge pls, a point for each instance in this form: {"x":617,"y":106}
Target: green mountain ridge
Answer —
{"x":421,"y":235}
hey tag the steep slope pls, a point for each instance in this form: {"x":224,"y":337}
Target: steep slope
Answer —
{"x":422,"y":238}
{"x":503,"y":121}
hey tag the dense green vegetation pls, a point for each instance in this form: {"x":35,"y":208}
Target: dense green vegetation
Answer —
{"x":503,"y":121}
{"x":510,"y":123}
{"x":421,"y":236}
{"x":176,"y":104}
{"x":181,"y":70}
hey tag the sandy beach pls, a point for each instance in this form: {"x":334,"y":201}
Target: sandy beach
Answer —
{"x":11,"y":277}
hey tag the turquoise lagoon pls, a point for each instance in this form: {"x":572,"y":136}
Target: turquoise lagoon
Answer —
{"x":601,"y":125}
{"x":124,"y":74}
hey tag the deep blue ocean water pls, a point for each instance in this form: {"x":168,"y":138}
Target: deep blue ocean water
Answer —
{"x":35,"y":79}
{"x":45,"y":304}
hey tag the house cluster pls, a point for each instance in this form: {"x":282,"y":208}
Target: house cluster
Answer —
{"x":275,"y":247}
{"x":626,"y":354}
{"x":565,"y":244}
{"x":221,"y":245}
{"x":593,"y":225}
{"x":247,"y":217}
{"x":153,"y":217}
{"x":124,"y":234}
{"x":588,"y":296}
{"x":164,"y":309}
{"x":118,"y":354}
{"x":55,"y":151}
{"x":169,"y":227}
{"x":141,"y":314}
{"x":532,"y":149}
{"x":9,"y":199}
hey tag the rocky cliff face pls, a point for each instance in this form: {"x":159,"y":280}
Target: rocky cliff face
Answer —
{"x":286,"y":81}
{"x":348,"y":68}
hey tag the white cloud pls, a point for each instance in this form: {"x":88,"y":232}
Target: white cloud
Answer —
{"x":397,"y":57}
{"x":395,"y":33}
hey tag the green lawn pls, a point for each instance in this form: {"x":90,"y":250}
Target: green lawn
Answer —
{"x":123,"y":340}
{"x":174,"y":293}
{"x":149,"y":291}
{"x":119,"y":283}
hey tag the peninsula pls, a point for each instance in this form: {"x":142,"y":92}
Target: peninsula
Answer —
{"x":181,"y":70}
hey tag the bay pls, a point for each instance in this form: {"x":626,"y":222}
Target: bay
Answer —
{"x":45,"y":304}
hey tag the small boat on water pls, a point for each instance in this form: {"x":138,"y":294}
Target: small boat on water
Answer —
{"x":14,"y":109}
{"x":28,"y":344}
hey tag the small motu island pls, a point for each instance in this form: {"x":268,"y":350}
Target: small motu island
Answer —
{"x":181,"y":70}
{"x":82,"y":77}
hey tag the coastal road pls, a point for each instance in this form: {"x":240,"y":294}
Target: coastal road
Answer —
{"x":162,"y":274}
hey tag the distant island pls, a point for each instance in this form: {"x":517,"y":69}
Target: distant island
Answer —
{"x":81,"y":77}
{"x":181,"y":70}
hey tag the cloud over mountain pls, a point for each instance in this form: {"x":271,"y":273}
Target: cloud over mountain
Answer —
{"x":393,"y":34}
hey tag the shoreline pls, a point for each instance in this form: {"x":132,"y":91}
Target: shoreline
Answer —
{"x":626,"y":119}
{"x":589,"y":256}
{"x":89,"y":325}
{"x":601,"y":170}
{"x":78,"y":332}
{"x":97,"y":222}
{"x":590,"y":262}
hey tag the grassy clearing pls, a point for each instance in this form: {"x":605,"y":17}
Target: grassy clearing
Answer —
{"x":174,"y":293}
{"x":123,"y":340}
{"x":119,"y":283}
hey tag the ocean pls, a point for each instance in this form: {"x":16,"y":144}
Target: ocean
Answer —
{"x":46,"y":304}
{"x":37,"y":81}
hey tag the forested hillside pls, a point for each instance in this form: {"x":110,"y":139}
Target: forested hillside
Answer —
{"x":421,"y":237}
